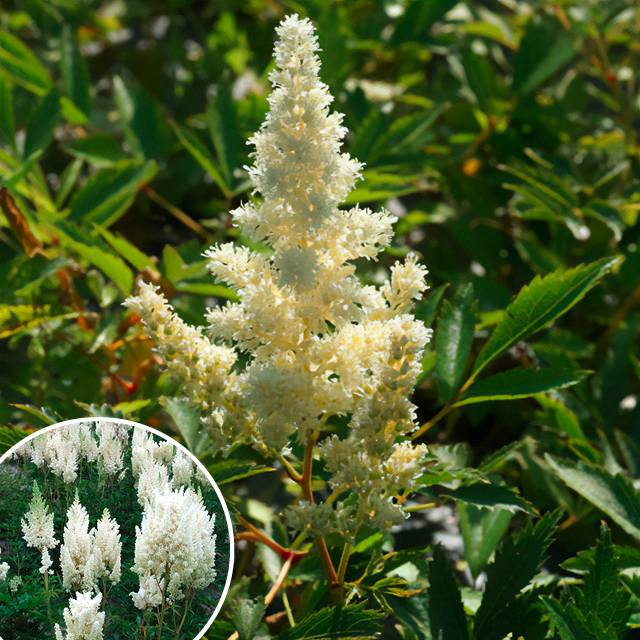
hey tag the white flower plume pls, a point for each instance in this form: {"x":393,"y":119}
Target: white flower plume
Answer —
{"x":83,"y":619}
{"x":316,"y":343}
{"x":37,"y":524}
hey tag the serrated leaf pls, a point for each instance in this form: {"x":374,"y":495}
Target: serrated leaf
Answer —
{"x":603,"y":595}
{"x":539,"y":303}
{"x":570,"y":623}
{"x":517,"y":561}
{"x":601,"y":609}
{"x":351,"y":621}
{"x":481,"y":531}
{"x":490,"y":496}
{"x":106,"y":195}
{"x":521,"y":383}
{"x":75,"y":74}
{"x":42,"y":123}
{"x":454,"y":335}
{"x":19,"y":63}
{"x":446,"y":613}
{"x":614,"y":495}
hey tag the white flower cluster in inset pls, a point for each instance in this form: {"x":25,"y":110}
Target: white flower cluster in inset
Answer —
{"x":38,"y":528}
{"x":111,"y":446}
{"x":83,"y":619}
{"x":89,"y":555}
{"x":62,"y":450}
{"x":107,"y":549}
{"x":317,"y":343}
{"x":76,"y":553}
{"x":175,"y":547}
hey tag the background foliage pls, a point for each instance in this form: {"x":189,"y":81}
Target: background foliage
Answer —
{"x":504,"y":134}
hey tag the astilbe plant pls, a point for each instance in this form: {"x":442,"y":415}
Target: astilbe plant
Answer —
{"x":83,"y":619}
{"x":317,"y":343}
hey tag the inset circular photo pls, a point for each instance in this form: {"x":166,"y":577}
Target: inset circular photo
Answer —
{"x":109,"y":530}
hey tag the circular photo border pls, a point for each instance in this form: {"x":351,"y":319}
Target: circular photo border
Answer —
{"x":132,"y":423}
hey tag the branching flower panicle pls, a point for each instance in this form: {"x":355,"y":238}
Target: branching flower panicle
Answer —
{"x":318,"y":343}
{"x":37,"y":524}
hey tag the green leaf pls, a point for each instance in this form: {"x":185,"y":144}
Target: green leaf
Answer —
{"x":446,"y":613}
{"x":187,"y":418}
{"x":231,"y":470}
{"x":19,"y":63}
{"x":351,"y":621}
{"x":200,"y":153}
{"x":41,"y":414}
{"x":490,"y":496}
{"x":224,"y":131}
{"x":454,"y":335}
{"x":207,"y":289}
{"x":10,"y":436}
{"x":517,"y":561}
{"x":145,"y":125}
{"x":16,"y":319}
{"x":106,"y":195}
{"x":98,"y":149}
{"x":614,"y":495}
{"x":539,"y":303}
{"x":570,"y":623}
{"x":112,"y":266}
{"x":521,"y":383}
{"x":42,"y":123}
{"x":75,"y":74}
{"x":542,"y":52}
{"x":247,"y":617}
{"x":481,"y":531}
{"x":603,"y":595}
{"x":128,"y":251}
{"x":7,"y":120}
{"x":601,"y":609}
{"x":419,"y":18}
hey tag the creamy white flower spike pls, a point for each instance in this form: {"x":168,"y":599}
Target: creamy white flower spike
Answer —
{"x":107,"y":549}
{"x":317,"y":343}
{"x":83,"y":619}
{"x":175,"y":547}
{"x":112,"y":441}
{"x":37,"y":524}
{"x":76,"y":553}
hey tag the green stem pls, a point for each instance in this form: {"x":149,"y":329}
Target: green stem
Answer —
{"x":184,"y":616}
